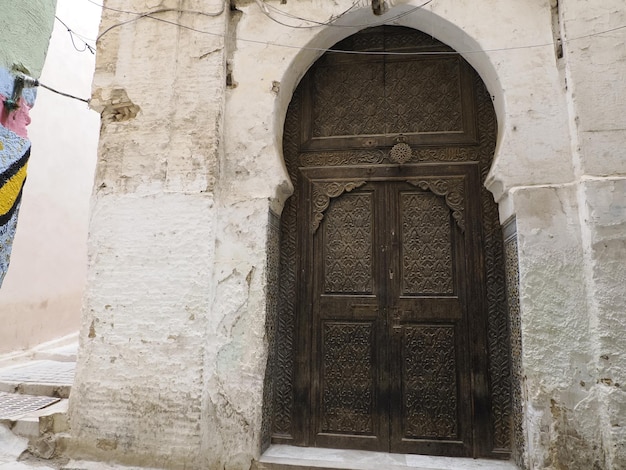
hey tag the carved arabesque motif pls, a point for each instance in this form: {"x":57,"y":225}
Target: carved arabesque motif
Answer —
{"x":451,"y":189}
{"x":512,"y":282}
{"x":359,"y":157}
{"x":348,"y":385}
{"x":426,"y":240}
{"x":430,"y":391}
{"x":349,"y":100}
{"x":434,"y":105}
{"x":348,"y":245}
{"x":283,"y":399}
{"x":272,"y":273}
{"x":497,"y":314}
{"x":390,"y":38}
{"x":373,"y":98}
{"x":375,"y":157}
{"x":323,"y":193}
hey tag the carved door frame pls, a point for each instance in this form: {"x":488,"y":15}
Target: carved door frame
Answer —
{"x":289,"y":420}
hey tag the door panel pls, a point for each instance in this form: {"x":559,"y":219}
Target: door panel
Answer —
{"x":431,"y":399}
{"x":348,"y":328}
{"x":425,"y":245}
{"x":390,"y":347}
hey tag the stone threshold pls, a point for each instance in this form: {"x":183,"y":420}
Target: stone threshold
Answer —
{"x":284,"y":457}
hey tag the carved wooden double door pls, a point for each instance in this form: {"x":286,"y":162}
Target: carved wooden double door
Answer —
{"x":391,"y":322}
{"x":393,"y":265}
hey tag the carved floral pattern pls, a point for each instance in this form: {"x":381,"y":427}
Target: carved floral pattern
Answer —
{"x":400,"y":153}
{"x":451,"y":189}
{"x":512,"y":282}
{"x":347,"y":378}
{"x":430,"y":388}
{"x":348,"y":245}
{"x":426,"y":241}
{"x":322,"y":194}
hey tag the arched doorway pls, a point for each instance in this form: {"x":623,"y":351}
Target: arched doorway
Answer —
{"x":392,"y":330}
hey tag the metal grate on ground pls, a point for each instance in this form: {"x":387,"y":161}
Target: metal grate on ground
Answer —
{"x":45,"y":372}
{"x":14,"y":405}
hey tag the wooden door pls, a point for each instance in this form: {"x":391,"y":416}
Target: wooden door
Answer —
{"x":378,"y":148}
{"x":392,"y":261}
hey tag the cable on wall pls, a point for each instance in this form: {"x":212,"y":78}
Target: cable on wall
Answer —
{"x":332,"y":21}
{"x":32,"y":82}
{"x":334,"y":51}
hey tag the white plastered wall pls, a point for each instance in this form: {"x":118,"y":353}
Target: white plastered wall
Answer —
{"x":174,"y":323}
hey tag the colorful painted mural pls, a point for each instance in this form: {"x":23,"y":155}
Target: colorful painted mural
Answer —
{"x":25,"y":33}
{"x":14,"y":153}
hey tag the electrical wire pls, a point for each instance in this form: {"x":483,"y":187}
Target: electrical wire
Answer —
{"x":72,"y":33}
{"x":25,"y":81}
{"x":316,"y":24}
{"x":84,"y":100}
{"x":335,"y":51}
{"x":266,"y":43}
{"x":149,"y":15}
{"x":332,"y":21}
{"x":162,"y":10}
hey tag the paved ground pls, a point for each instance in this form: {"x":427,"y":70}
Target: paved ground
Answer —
{"x":32,"y":383}
{"x":14,"y":405}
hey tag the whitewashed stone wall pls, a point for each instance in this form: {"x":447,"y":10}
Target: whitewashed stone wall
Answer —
{"x":173,"y":343}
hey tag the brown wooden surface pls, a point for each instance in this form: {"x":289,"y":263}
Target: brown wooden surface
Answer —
{"x":382,"y":346}
{"x":390,"y":356}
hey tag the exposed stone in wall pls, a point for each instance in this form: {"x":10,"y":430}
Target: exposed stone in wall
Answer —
{"x":117,"y":107}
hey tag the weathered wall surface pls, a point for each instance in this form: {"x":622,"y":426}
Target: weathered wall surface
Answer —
{"x":595,"y":70}
{"x":41,"y":296}
{"x":146,"y":365}
{"x":173,"y":342}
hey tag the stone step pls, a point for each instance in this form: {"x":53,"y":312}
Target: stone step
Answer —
{"x":44,"y":427}
{"x":282,"y":457}
{"x":39,"y":378}
{"x":62,"y":349}
{"x":87,"y":465}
